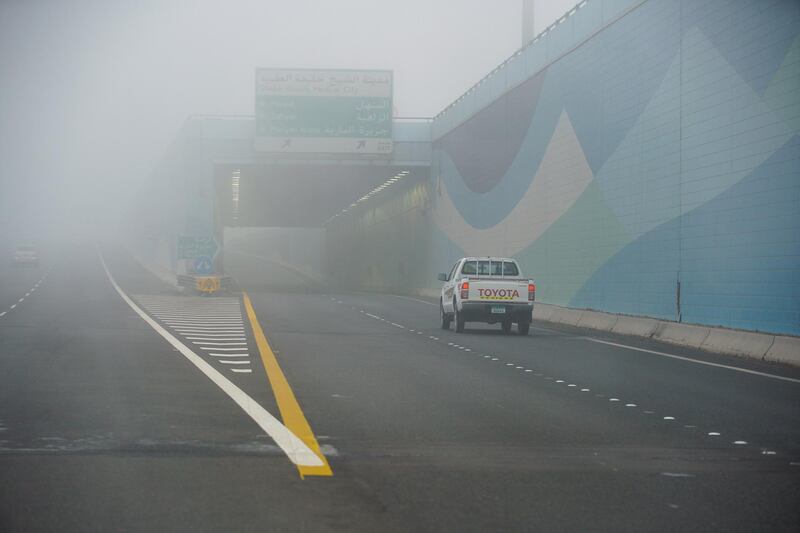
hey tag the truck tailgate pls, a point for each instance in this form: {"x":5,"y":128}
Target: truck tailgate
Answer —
{"x":498,"y":290}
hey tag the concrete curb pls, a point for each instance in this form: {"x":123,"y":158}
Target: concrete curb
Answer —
{"x":681,"y":334}
{"x":164,"y":275}
{"x":784,"y":350}
{"x":565,"y":315}
{"x":741,"y":343}
{"x":761,"y":346}
{"x":640,"y":327}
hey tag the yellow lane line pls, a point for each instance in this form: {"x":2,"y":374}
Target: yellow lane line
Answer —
{"x":292,"y":414}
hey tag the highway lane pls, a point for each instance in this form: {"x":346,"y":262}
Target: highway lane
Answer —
{"x":485,"y":431}
{"x":104,"y":425}
{"x":18,"y":281}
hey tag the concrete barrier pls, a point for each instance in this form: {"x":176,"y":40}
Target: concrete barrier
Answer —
{"x":632,"y":325}
{"x":428,"y":293}
{"x":682,"y":334}
{"x":784,"y":350}
{"x":740,"y":343}
{"x":565,"y":315}
{"x":762,"y":346}
{"x":157,"y":270}
{"x":543,"y":312}
{"x":598,"y":320}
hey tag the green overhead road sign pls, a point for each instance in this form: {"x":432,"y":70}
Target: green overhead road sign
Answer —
{"x":327,"y":111}
{"x":192,"y":247}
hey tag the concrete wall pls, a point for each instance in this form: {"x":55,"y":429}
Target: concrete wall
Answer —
{"x":658,"y":156}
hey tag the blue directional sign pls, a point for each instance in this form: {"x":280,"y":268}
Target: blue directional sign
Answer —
{"x":203,"y":265}
{"x":191,"y":247}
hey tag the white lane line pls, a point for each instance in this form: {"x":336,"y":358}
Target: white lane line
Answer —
{"x":21,"y":300}
{"x":690,"y":360}
{"x":204,"y":343}
{"x":740,"y":442}
{"x":233,"y":336}
{"x":669,"y":418}
{"x":224,"y":362}
{"x":413,"y":299}
{"x":295,"y":449}
{"x":373,"y":316}
{"x":200,"y":320}
{"x":3,"y":313}
{"x":714,"y":434}
{"x":203,"y":324}
{"x":208,"y":327}
{"x":196,"y":316}
{"x":27,"y":294}
{"x":630,"y":405}
{"x":212,"y":333}
{"x":13,"y":306}
{"x":398,"y":325}
{"x":245,"y":371}
{"x":613,"y":399}
{"x":230,"y":354}
{"x":222,"y":332}
{"x":216,"y":338}
{"x":220,"y":329}
{"x":239,"y":349}
{"x":191,"y":310}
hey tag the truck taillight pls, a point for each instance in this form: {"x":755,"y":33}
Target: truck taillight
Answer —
{"x":465,"y":290}
{"x":531,"y":292}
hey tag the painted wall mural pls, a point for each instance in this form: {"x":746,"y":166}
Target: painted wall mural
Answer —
{"x":653,"y":170}
{"x":663,"y":152}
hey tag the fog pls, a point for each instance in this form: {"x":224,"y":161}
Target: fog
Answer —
{"x":92,"y":92}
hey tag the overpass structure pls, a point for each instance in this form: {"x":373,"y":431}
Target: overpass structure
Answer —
{"x":638,"y":157}
{"x":212,"y":178}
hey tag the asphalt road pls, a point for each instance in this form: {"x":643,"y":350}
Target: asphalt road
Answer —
{"x":105,"y":426}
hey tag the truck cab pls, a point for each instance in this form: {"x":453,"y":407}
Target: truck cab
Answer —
{"x":486,"y":289}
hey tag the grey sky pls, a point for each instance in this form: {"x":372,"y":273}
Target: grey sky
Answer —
{"x":92,"y":92}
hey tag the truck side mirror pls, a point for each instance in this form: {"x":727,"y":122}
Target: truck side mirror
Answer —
{"x":442,"y":276}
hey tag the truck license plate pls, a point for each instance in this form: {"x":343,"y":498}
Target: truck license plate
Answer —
{"x":498,"y":310}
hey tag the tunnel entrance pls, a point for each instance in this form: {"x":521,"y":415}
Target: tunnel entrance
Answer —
{"x":269,"y":218}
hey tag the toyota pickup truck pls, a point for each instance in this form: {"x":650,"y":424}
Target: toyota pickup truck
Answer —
{"x":489,"y":290}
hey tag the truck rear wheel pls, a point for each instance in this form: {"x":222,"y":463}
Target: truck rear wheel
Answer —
{"x":458,"y":317}
{"x":524,"y":327}
{"x":446,"y":319}
{"x":506,"y":325}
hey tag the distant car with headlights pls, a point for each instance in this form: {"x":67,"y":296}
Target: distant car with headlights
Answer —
{"x":486,"y":289}
{"x":26,"y":254}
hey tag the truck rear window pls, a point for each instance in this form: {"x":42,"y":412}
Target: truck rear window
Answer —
{"x":490,"y":268}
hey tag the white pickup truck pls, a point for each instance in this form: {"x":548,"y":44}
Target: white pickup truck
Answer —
{"x":489,"y":290}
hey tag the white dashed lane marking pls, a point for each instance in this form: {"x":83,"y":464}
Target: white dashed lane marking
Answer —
{"x":28,"y":293}
{"x":215,"y":325}
{"x":615,"y":400}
